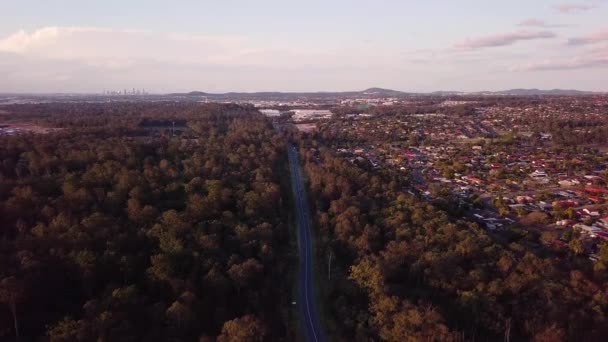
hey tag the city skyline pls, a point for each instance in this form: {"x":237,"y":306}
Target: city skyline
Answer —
{"x":272,"y":46}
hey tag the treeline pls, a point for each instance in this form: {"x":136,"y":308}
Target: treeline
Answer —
{"x":425,"y":107}
{"x":109,"y":236}
{"x":117,"y":114}
{"x":575,"y":132}
{"x":404,"y":270}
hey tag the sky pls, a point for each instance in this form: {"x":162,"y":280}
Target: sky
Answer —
{"x":79,"y":46}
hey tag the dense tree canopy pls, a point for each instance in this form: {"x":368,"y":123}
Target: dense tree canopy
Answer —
{"x":120,"y":227}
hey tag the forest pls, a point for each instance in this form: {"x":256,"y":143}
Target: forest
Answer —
{"x":404,"y":270}
{"x":119,"y":228}
{"x":171,"y":222}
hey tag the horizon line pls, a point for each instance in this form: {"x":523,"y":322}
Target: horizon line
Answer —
{"x":81,"y":93}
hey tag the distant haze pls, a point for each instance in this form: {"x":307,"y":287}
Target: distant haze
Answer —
{"x":221,"y":46}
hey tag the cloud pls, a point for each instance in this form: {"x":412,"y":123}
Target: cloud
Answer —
{"x":572,"y":8}
{"x":91,"y":58}
{"x":503,"y":39}
{"x":591,"y":38}
{"x":20,"y":41}
{"x":594,"y":59}
{"x":115,"y":50}
{"x":534,"y":22}
{"x":121,"y":48}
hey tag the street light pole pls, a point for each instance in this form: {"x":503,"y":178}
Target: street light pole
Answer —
{"x":329,"y":265}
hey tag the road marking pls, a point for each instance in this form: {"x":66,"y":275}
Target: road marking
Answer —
{"x":305,"y":225}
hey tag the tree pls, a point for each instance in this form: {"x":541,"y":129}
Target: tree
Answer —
{"x":11,"y":293}
{"x":246,"y":272}
{"x":551,"y":334}
{"x":243,"y":329}
{"x":368,"y":275}
{"x":576,"y":246}
{"x":69,"y":330}
{"x":180,"y":314}
{"x":603,"y":252}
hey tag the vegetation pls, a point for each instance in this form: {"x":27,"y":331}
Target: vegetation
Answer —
{"x":119,"y":228}
{"x":407,"y":271}
{"x":168,"y":222}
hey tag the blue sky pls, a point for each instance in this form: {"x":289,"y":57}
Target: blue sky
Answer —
{"x":231,"y":45}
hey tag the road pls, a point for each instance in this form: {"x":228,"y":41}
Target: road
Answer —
{"x":306,"y":298}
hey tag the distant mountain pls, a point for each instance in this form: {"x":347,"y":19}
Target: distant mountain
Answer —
{"x":534,"y":92}
{"x":376,"y":92}
{"x":371,"y":92}
{"x":194,"y":93}
{"x":446,"y":93}
{"x":384,"y":92}
{"x":518,"y":92}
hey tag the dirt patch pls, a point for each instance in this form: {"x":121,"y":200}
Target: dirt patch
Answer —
{"x":535,"y":218}
{"x":602,"y":148}
{"x":306,"y":127}
{"x":13,"y":128}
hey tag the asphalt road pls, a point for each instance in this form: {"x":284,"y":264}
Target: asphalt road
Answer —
{"x":305,"y":300}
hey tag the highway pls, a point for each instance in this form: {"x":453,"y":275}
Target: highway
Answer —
{"x":305,"y":301}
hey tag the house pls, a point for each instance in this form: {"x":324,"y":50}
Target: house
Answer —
{"x":539,"y":174}
{"x":595,"y":199}
{"x":563,"y":223}
{"x":587,"y":229}
{"x":544,"y":205}
{"x":591,"y":213}
{"x":409,"y":155}
{"x":546,"y":136}
{"x":565,"y":204}
{"x":596,"y":190}
{"x":593,"y":178}
{"x":473,"y":179}
{"x":563,"y":194}
{"x":559,"y":244}
{"x":524,"y":199}
{"x":602,"y":235}
{"x":517,"y":206}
